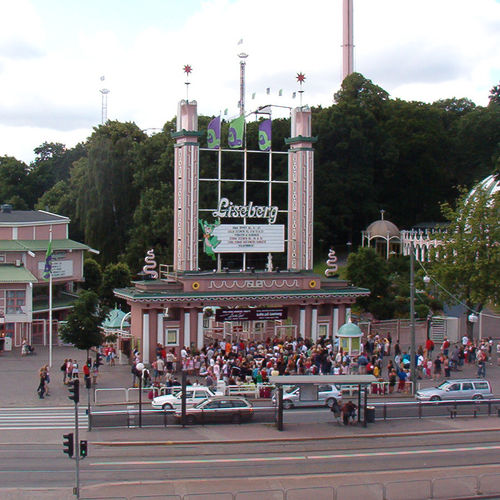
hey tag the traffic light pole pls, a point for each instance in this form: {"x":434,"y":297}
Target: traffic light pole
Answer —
{"x":76,"y":490}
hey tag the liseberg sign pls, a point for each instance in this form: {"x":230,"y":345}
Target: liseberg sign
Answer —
{"x":243,"y":238}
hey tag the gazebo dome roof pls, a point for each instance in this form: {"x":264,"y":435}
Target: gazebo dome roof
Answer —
{"x":491,"y":185}
{"x":349,"y":330}
{"x":114,"y":319}
{"x":383,"y":228}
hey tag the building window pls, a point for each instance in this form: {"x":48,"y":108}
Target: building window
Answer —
{"x":15,"y":299}
{"x":172,"y":336}
{"x":323,"y":330}
{"x":2,"y":258}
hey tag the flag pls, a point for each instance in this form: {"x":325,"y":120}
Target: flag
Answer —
{"x":102,"y":78}
{"x":48,"y":262}
{"x":280,"y":93}
{"x":225,"y":112}
{"x":213,"y":133}
{"x":268,"y":90}
{"x":265,"y":135}
{"x":253,"y":95}
{"x":235,"y":136}
{"x":294,"y":95}
{"x":241,"y":41}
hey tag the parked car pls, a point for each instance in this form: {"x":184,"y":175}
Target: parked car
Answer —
{"x":327,"y":395}
{"x":457,"y":389}
{"x":194,"y":394}
{"x":218,"y":409}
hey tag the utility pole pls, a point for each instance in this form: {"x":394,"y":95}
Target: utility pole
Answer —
{"x":413,"y":354}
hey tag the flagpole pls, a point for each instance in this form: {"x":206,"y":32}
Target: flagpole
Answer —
{"x":50,"y":309}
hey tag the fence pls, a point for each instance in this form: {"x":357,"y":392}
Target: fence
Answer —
{"x":466,"y":487}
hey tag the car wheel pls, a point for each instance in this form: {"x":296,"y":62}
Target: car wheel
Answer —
{"x":167,"y":406}
{"x":435,"y":398}
{"x":477,"y":396}
{"x":330,"y":402}
{"x":287,"y":404}
{"x":190,"y":419}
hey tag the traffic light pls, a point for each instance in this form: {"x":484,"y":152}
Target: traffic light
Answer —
{"x":74,"y":389}
{"x":88,"y":383}
{"x":83,"y":448}
{"x":68,"y":444}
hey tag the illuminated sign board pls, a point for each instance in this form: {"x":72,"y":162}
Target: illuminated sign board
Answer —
{"x":250,"y":314}
{"x":236,"y":238}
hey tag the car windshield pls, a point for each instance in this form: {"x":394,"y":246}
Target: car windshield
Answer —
{"x":444,"y":385}
{"x":290,"y":389}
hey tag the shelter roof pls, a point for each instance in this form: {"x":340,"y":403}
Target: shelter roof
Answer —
{"x":323,"y":379}
{"x":9,"y":273}
{"x":114,"y":319}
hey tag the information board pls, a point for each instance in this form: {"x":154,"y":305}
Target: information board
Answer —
{"x":247,"y":238}
{"x":250,"y":314}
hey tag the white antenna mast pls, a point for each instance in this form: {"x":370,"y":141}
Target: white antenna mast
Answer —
{"x":104,"y":103}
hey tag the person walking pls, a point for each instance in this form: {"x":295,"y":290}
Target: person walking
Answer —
{"x":41,"y":385}
{"x":63,"y":369}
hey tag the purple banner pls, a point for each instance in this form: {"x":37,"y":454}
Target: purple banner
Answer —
{"x":265,"y":135}
{"x":213,"y":133}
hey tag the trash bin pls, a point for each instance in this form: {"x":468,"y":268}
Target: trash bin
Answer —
{"x":370,"y":414}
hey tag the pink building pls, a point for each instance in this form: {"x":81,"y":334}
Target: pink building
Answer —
{"x":24,"y":294}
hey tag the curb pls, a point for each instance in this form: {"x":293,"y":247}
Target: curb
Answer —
{"x":293,"y":439}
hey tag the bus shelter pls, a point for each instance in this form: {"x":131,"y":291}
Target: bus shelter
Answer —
{"x":356,"y":385}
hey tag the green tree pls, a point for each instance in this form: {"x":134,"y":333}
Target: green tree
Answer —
{"x":467,"y":261}
{"x":93,"y":275}
{"x":114,"y":276}
{"x":82,"y":326}
{"x":13,"y":180}
{"x":365,"y":268}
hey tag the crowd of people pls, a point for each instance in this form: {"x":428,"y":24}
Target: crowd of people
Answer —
{"x":246,"y":362}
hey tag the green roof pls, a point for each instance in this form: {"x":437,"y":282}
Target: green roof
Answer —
{"x":349,"y":330}
{"x":62,"y":301}
{"x":114,"y":319}
{"x":40,"y":245}
{"x":10,"y":273}
{"x":132,"y":293}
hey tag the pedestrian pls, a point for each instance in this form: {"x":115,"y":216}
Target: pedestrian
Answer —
{"x":41,"y":385}
{"x":392,"y":380}
{"x":348,"y":412}
{"x":335,"y":409}
{"x":46,"y":373}
{"x":74,"y":369}
{"x":481,"y":364}
{"x":63,"y":369}
{"x":437,"y":368}
{"x":69,"y":370}
{"x":86,"y":373}
{"x":95,"y":372}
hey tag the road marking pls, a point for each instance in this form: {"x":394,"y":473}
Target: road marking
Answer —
{"x":299,"y":457}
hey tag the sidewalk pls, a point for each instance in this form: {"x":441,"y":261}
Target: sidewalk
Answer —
{"x":19,"y":376}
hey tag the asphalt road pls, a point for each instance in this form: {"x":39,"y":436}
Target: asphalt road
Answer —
{"x":213,"y":466}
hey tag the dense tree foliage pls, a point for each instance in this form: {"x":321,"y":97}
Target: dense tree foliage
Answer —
{"x":373,"y":153}
{"x":467,"y":262}
{"x":82,"y":326}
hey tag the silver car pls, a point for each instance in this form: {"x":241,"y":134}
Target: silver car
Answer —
{"x":457,"y":389}
{"x":327,"y":395}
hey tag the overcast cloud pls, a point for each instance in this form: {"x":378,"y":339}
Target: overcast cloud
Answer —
{"x":53,"y":52}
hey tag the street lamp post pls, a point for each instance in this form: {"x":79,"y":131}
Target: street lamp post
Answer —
{"x":413,"y":357}
{"x":140,"y":368}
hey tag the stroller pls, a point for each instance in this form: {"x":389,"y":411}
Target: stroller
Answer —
{"x":28,"y":350}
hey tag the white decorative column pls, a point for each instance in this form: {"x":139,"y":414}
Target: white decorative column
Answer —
{"x":187,"y":329}
{"x":186,"y":164}
{"x":302,"y":322}
{"x":335,"y":328}
{"x":145,"y":338}
{"x":347,"y":314}
{"x":300,"y":191}
{"x":199,"y":333}
{"x":160,"y":333}
{"x":314,"y":324}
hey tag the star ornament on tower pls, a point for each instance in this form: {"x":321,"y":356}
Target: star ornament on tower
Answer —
{"x":187,"y":69}
{"x":301,"y":78}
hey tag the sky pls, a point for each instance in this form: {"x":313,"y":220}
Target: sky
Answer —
{"x":53,"y":54}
